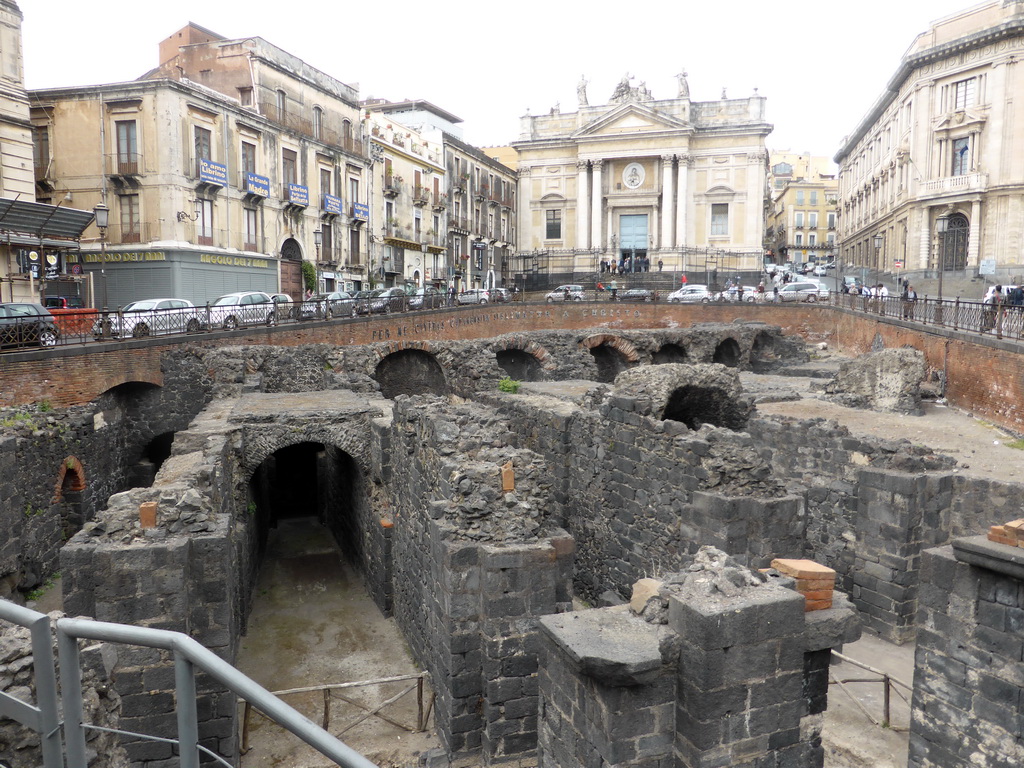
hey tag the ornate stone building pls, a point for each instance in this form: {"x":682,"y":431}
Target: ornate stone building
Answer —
{"x":802,"y":215}
{"x":637,"y":177}
{"x":221,"y":169}
{"x":936,"y":168}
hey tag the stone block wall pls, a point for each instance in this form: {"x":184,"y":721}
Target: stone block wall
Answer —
{"x":715,"y":666}
{"x":474,"y":566}
{"x":969,"y":678}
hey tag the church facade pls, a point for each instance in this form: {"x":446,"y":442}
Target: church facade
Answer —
{"x":639,"y":180}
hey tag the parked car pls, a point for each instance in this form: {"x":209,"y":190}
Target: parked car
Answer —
{"x":286,"y":308}
{"x":474,"y":296}
{"x":427,"y":297}
{"x":385,"y":300}
{"x":362,"y":300}
{"x":324,"y":306}
{"x":566,"y":293}
{"x":501,"y":295}
{"x":63,"y":302}
{"x":151,"y":317}
{"x":635,"y":294}
{"x":733,"y":294}
{"x":24,"y":324}
{"x":822,"y":269}
{"x":803,"y":290}
{"x":242,"y":308}
{"x":691,"y":293}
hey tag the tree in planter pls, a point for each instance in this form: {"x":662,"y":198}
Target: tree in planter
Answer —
{"x":309,"y":276}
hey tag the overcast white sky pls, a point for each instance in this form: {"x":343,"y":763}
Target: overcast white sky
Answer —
{"x":820,"y":63}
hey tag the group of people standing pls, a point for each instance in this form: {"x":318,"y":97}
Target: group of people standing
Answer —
{"x":629,"y":264}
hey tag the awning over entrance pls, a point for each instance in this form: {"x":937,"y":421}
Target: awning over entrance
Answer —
{"x":26,"y":223}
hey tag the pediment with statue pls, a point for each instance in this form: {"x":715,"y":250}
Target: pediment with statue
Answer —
{"x":631,"y":118}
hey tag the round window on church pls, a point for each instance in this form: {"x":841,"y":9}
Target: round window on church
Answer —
{"x":633,"y":175}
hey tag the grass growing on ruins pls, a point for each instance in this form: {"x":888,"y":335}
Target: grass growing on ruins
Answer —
{"x":45,"y":587}
{"x":1018,"y":444}
{"x":510,"y":385}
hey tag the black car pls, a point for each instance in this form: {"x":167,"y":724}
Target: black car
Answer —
{"x":26,"y":324}
{"x":636,"y":294}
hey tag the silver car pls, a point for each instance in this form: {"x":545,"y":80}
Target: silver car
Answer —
{"x":152,"y":317}
{"x":692,"y":293}
{"x":324,"y":306}
{"x":233,"y":310}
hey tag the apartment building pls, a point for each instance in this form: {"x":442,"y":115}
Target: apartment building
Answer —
{"x":224,"y":168}
{"x":935,"y":171}
{"x":802,"y":210}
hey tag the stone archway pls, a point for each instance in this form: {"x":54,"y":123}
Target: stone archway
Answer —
{"x":727,"y":353}
{"x":612,"y":355}
{"x":291,"y":268}
{"x":68,"y":495}
{"x":523,"y":359}
{"x":671,"y":353}
{"x":410,"y":371}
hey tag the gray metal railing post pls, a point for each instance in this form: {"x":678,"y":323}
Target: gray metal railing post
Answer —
{"x":44,"y":718}
{"x":71,"y":701}
{"x":188,"y":721}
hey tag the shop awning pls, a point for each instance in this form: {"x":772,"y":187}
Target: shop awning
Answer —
{"x":28,"y":223}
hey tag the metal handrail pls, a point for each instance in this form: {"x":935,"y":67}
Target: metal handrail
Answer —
{"x":44,"y":718}
{"x":887,"y":680}
{"x":189,"y":655}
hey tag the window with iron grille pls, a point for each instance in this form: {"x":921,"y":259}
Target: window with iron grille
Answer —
{"x":205,"y":224}
{"x":353,"y":246}
{"x":127,"y":145}
{"x":251,"y":230}
{"x":130,"y":220}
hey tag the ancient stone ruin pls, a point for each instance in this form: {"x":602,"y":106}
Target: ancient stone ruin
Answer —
{"x":478,"y":516}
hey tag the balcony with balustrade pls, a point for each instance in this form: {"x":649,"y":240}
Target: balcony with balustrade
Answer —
{"x":953,"y":185}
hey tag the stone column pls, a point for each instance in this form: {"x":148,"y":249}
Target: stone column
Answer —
{"x":974,"y":239}
{"x":666,"y":202}
{"x":596,"y":207}
{"x":682,"y":199}
{"x":582,"y":206}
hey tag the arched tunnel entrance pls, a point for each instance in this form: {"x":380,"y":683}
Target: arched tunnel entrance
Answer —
{"x":695,"y":406}
{"x":727,"y":353}
{"x":410,"y":372}
{"x":671,"y":353}
{"x":313,"y":481}
{"x":312,"y":621}
{"x":610,"y":363}
{"x":762,"y":353}
{"x":519,"y":365}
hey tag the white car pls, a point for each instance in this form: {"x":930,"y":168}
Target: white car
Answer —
{"x":566,"y":293}
{"x":243,"y":308}
{"x":474,"y":296}
{"x":733,"y":294}
{"x":803,"y":290}
{"x":691,"y":294}
{"x":152,"y":317}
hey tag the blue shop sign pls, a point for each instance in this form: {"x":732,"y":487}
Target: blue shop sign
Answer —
{"x":257,"y":185}
{"x":361,"y":211}
{"x":332,"y":204}
{"x":213,"y":173}
{"x":298,"y":194}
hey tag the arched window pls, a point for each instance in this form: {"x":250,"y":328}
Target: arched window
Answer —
{"x":318,"y":123}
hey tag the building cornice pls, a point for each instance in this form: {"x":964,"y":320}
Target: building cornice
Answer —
{"x":971,"y":42}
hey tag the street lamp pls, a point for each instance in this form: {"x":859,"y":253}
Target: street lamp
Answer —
{"x":941,"y":225}
{"x":879,"y":241}
{"x":102,"y":215}
{"x":318,"y":239}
